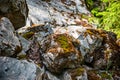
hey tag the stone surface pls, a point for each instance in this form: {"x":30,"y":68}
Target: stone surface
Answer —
{"x":107,"y":55}
{"x":15,"y":10}
{"x":90,"y":40}
{"x":56,"y":12}
{"x":9,"y":42}
{"x":103,"y":75}
{"x":25,"y":47}
{"x":98,"y":47}
{"x":13,"y":69}
{"x":47,"y":76}
{"x":33,"y":53}
{"x":58,"y":53}
{"x":75,"y":74}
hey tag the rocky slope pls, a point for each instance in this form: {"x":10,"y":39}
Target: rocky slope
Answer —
{"x":57,"y":42}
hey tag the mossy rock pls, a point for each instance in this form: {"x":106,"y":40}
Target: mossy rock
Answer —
{"x":28,"y":35}
{"x":65,"y":42}
{"x":105,"y":75}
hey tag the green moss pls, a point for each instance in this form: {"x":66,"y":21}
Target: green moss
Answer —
{"x":28,"y":35}
{"x":105,"y":75}
{"x":64,"y":42}
{"x":77,"y":72}
{"x":80,"y":71}
{"x":20,"y":57}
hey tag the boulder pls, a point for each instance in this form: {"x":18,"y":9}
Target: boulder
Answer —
{"x":13,"y":69}
{"x":58,"y":53}
{"x":100,"y":48}
{"x":31,"y":39}
{"x":107,"y":55}
{"x":9,"y":42}
{"x":15,"y":10}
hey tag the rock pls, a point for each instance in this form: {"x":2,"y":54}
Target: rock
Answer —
{"x":90,"y":40}
{"x":13,"y":69}
{"x":28,"y":32}
{"x":92,"y":75}
{"x":42,"y":36}
{"x":9,"y":42}
{"x":33,"y":53}
{"x":56,"y":12}
{"x":58,"y":53}
{"x":15,"y":10}
{"x":25,"y":47}
{"x":47,"y":76}
{"x":33,"y":49}
{"x":103,"y":75}
{"x":107,"y":55}
{"x":100,"y":48}
{"x":75,"y":74}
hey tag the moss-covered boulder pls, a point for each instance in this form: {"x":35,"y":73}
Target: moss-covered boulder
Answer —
{"x":60,"y":53}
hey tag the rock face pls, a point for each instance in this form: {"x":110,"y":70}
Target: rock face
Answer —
{"x":9,"y":42}
{"x":65,"y":46}
{"x":60,"y":53}
{"x":106,"y":51}
{"x":63,"y":50}
{"x":15,"y":10}
{"x":56,"y":12}
{"x":98,"y":47}
{"x":75,"y":74}
{"x":13,"y":69}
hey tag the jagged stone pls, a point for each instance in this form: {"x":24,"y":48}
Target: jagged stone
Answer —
{"x":75,"y":74}
{"x":13,"y":69}
{"x":15,"y":10}
{"x":101,"y":49}
{"x":56,"y":12}
{"x":58,"y":53}
{"x":9,"y":42}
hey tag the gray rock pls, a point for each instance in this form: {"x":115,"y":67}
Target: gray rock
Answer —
{"x":25,"y":47}
{"x":13,"y":69}
{"x":75,"y":74}
{"x":9,"y":42}
{"x":90,"y":40}
{"x":56,"y":12}
{"x":15,"y":10}
{"x":58,"y":53}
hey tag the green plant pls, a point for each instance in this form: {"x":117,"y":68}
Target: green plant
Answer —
{"x":109,"y":18}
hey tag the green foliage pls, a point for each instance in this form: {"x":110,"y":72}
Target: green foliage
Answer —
{"x":89,"y":3}
{"x":109,"y":18}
